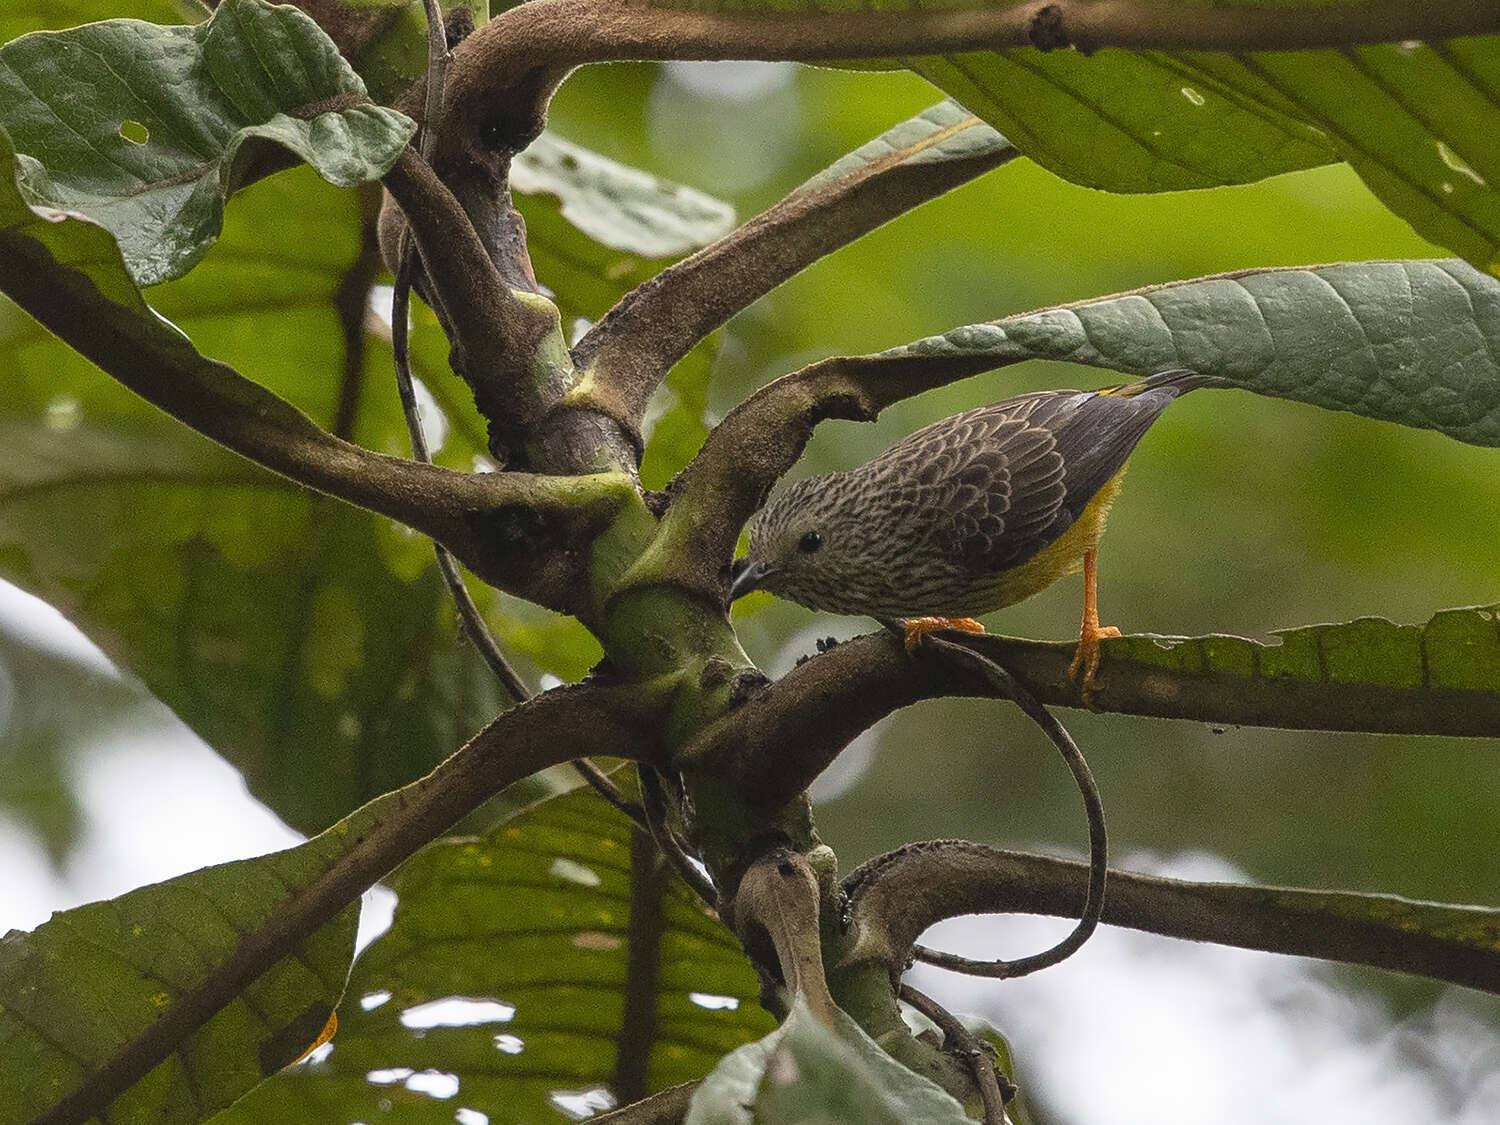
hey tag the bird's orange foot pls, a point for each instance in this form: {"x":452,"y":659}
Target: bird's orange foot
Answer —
{"x":1086,"y":659}
{"x":919,"y":627}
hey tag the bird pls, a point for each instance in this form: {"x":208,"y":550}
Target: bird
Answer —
{"x":967,"y":515}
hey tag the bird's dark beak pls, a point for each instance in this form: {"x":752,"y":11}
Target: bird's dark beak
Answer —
{"x":747,"y":576}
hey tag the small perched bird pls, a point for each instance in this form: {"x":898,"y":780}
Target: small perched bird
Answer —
{"x":967,"y":515}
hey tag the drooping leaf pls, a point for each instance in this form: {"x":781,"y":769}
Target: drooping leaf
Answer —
{"x":92,"y":982}
{"x":500,"y":986}
{"x":805,"y":1072}
{"x":138,"y":125}
{"x":1413,"y":342}
{"x":622,"y":208}
{"x":1415,"y":121}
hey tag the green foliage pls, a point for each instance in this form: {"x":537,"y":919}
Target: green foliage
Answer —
{"x":138,"y":126}
{"x":94,"y":980}
{"x":1458,"y":650}
{"x":532,"y":921}
{"x":1409,"y":342}
{"x":806,"y":1072}
{"x":312,"y":645}
{"x":308,"y":642}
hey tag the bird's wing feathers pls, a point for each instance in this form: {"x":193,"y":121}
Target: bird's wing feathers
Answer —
{"x":1011,"y":477}
{"x":996,"y":478}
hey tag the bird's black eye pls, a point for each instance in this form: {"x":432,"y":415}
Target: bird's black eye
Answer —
{"x":809,"y":542}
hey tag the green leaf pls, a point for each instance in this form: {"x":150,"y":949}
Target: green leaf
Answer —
{"x":1417,"y":122}
{"x":311,"y":644}
{"x":138,"y":126}
{"x":1457,"y":651}
{"x":1411,"y":342}
{"x":529,"y":928}
{"x":595,"y":229}
{"x":676,"y":433}
{"x":943,"y":132}
{"x":617,"y":206}
{"x":94,"y":981}
{"x":806,"y":1072}
{"x":1442,"y":677}
{"x":1125,"y":121}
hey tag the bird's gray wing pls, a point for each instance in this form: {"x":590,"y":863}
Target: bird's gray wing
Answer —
{"x":986,"y":487}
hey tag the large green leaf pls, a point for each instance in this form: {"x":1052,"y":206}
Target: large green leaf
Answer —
{"x":309,"y":643}
{"x":525,"y":933}
{"x":1417,"y":122}
{"x":807,"y":1073}
{"x":1410,"y":342}
{"x":93,"y":981}
{"x":138,"y":125}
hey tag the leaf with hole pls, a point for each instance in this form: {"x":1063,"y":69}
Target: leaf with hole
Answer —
{"x":140,"y":126}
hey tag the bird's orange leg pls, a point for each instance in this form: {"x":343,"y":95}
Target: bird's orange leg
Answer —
{"x":919,"y":627}
{"x":1086,"y":659}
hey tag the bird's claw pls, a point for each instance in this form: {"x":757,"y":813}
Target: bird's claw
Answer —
{"x":1086,"y":660}
{"x":919,"y":627}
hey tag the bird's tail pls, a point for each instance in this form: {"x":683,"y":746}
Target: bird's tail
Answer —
{"x":1177,"y":381}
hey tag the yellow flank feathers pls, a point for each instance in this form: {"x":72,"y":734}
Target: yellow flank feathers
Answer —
{"x":1061,"y":557}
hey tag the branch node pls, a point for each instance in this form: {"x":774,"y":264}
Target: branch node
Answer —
{"x":1048,"y":30}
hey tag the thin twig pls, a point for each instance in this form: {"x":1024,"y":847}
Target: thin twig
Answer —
{"x":959,"y":1040}
{"x":654,"y":801}
{"x":1093,"y":906}
{"x":468,"y":611}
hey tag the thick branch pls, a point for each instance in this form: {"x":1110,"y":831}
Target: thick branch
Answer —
{"x":783,"y":736}
{"x":896,"y":897}
{"x":495,"y":332}
{"x":549,"y":36}
{"x":658,"y":322}
{"x":545,"y":731}
{"x":495,"y":522}
{"x":777,"y":901}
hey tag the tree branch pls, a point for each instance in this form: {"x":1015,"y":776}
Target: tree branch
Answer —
{"x":959,"y":1041}
{"x":547,"y":37}
{"x":496,"y":333}
{"x":633,"y":347}
{"x":351,"y":300}
{"x":665,"y":1107}
{"x":777,"y":901}
{"x":495,"y":522}
{"x":894,"y":898}
{"x":545,"y":731}
{"x":775,"y":743}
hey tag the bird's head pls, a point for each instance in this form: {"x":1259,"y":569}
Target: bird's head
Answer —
{"x":808,"y":545}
